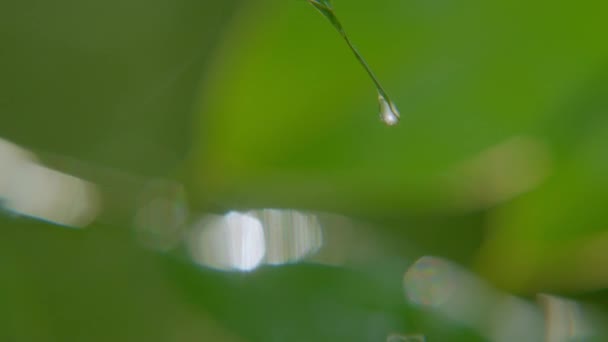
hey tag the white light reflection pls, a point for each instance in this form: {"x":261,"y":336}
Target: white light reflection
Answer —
{"x":244,"y":241}
{"x":565,"y":320}
{"x":459,"y":295}
{"x":290,"y":235}
{"x":12,"y":158}
{"x":231,"y":242}
{"x":513,"y":319}
{"x":29,"y":189}
{"x":429,"y":282}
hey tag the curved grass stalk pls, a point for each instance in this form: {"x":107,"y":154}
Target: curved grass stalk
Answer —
{"x":388,"y":111}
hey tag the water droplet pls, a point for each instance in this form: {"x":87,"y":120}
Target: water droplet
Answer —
{"x":389,"y":114}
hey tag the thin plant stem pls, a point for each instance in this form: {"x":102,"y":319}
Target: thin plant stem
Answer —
{"x":325,"y":7}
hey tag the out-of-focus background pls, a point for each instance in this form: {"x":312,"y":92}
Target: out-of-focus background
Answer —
{"x":216,"y":171}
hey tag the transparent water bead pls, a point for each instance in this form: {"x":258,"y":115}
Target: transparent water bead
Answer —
{"x":389,"y":114}
{"x":388,"y":111}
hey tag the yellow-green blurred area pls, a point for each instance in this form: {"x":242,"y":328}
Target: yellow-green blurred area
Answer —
{"x":499,"y":163}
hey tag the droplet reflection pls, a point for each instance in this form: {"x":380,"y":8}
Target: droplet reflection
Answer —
{"x":389,"y":114}
{"x":33,"y":190}
{"x":514,"y":319}
{"x":565,"y":320}
{"x":12,"y":159}
{"x":244,"y":241}
{"x":461,"y":296}
{"x":290,"y":235}
{"x":388,"y":111}
{"x":429,"y":281}
{"x":231,"y":242}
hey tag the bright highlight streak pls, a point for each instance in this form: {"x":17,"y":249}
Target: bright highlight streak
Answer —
{"x":454,"y":292}
{"x":231,"y":242}
{"x":32,"y":190}
{"x":245,"y":241}
{"x":12,"y":159}
{"x":290,"y":235}
{"x":566,"y":320}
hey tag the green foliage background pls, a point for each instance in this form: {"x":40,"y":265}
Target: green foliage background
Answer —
{"x":260,"y":104}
